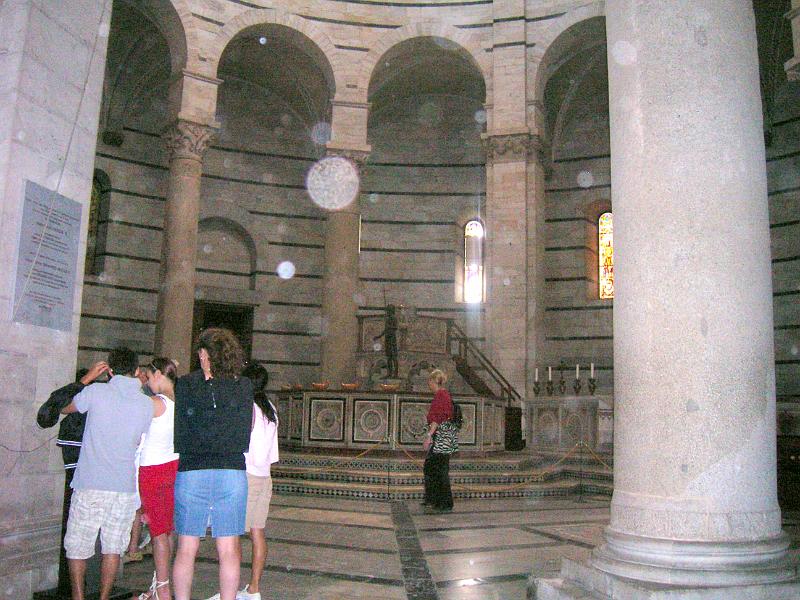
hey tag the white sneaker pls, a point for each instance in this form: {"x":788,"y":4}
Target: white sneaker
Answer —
{"x":245,"y":595}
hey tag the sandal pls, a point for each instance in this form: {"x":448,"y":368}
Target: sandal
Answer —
{"x":152,"y":593}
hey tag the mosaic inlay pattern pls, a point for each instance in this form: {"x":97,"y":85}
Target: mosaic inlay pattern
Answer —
{"x":326,"y":420}
{"x":370,"y":420}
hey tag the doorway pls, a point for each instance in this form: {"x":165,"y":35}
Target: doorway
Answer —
{"x":236,"y":317}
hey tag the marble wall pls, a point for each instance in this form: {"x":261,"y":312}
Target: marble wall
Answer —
{"x":51,"y":74}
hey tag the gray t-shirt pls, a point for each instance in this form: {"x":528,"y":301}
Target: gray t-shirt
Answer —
{"x":117,"y":414}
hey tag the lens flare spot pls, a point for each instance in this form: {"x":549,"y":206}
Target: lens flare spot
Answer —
{"x":585,"y":179}
{"x":624,"y":53}
{"x":332,"y":182}
{"x":285,"y":269}
{"x":321,"y":133}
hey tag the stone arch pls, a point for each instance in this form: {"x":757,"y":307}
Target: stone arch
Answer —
{"x":569,"y":97}
{"x":231,"y":221}
{"x":255,"y":17}
{"x":174,"y":20}
{"x":549,"y":50}
{"x":468,"y":42}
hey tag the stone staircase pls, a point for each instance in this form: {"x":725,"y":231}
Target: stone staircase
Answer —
{"x":398,"y":476}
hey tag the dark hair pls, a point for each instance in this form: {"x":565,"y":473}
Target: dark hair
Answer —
{"x":123,"y":361}
{"x":259,"y":377}
{"x":166,"y":366}
{"x":225,"y":354}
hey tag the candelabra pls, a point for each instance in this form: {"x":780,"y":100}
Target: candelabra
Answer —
{"x":592,"y":385}
{"x":550,"y":387}
{"x":536,"y":388}
{"x":577,"y":387}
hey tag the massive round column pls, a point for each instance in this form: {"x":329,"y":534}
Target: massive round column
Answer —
{"x":186,"y":142}
{"x":694,"y":450}
{"x":341,"y":284}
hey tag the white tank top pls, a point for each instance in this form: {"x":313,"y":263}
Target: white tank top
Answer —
{"x":158,"y":448}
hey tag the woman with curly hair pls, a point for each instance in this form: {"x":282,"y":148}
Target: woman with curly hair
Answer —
{"x":213,"y":411}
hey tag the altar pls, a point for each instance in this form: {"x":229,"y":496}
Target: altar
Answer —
{"x":367,"y":419}
{"x":560,"y":422}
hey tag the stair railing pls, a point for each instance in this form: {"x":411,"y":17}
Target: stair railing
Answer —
{"x":470,"y":353}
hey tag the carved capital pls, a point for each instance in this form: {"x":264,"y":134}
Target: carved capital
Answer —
{"x":510,"y":147}
{"x":357,"y":157}
{"x":185,"y":139}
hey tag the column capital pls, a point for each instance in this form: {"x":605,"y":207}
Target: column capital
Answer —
{"x":187,"y":139}
{"x":513,"y":146}
{"x":357,"y":156}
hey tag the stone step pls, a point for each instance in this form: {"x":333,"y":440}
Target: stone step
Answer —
{"x":559,"y":589}
{"x":382,"y":490}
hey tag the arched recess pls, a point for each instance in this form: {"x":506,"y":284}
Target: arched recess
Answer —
{"x":248,"y":23}
{"x":574,"y":57}
{"x":226,"y":254}
{"x":448,"y":38}
{"x":147,"y":48}
{"x":558,"y":42}
{"x":276,"y":91}
{"x":175,"y":22}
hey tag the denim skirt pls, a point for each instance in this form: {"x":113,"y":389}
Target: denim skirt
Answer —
{"x":210,"y":497}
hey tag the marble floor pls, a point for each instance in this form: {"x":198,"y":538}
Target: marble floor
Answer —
{"x":334,"y":548}
{"x":341,"y":549}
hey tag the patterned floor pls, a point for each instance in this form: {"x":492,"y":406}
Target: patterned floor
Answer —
{"x":339,"y":549}
{"x":327,"y":548}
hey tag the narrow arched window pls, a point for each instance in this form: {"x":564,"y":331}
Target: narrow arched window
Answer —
{"x":473,"y":261}
{"x":605,"y":255}
{"x":98,"y":223}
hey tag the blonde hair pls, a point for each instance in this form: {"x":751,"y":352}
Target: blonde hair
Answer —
{"x":439,"y":376}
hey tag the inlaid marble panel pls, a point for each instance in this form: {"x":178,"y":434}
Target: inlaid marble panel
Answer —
{"x":547,"y":427}
{"x":499,"y":419}
{"x":296,"y":425}
{"x":284,"y":417}
{"x":467,"y":433}
{"x":413,"y":421}
{"x":371,"y":420}
{"x":326,"y":419}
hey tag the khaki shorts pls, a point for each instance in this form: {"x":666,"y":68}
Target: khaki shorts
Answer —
{"x":110,"y":513}
{"x":259,"y":493}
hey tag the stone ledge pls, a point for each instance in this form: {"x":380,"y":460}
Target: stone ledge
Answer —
{"x":581,"y":582}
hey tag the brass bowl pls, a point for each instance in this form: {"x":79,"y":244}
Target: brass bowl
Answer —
{"x":389,"y":387}
{"x":319,"y":386}
{"x":286,"y":387}
{"x":349,"y":386}
{"x":297,"y":386}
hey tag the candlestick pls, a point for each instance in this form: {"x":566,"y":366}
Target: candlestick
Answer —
{"x":536,"y":374}
{"x":577,"y":371}
{"x":591,"y":370}
{"x":549,"y":373}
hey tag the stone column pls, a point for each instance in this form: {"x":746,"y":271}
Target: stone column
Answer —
{"x":187,"y":142}
{"x":694,"y":443}
{"x":537,"y":159}
{"x":506,"y":244}
{"x":341,"y":284}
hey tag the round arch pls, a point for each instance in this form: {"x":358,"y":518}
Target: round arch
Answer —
{"x":555,"y":42}
{"x":173,"y":18}
{"x":467,"y":42}
{"x":256,"y":17}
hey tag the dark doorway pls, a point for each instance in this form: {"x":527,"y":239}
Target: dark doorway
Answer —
{"x":236,"y":317}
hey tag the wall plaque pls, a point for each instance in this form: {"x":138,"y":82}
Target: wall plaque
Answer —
{"x":47,"y":258}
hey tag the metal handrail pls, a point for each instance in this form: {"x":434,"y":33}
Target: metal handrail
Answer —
{"x":466,"y":346}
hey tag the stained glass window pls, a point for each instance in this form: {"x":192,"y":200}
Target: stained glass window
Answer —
{"x":473,"y":261}
{"x":605,"y":255}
